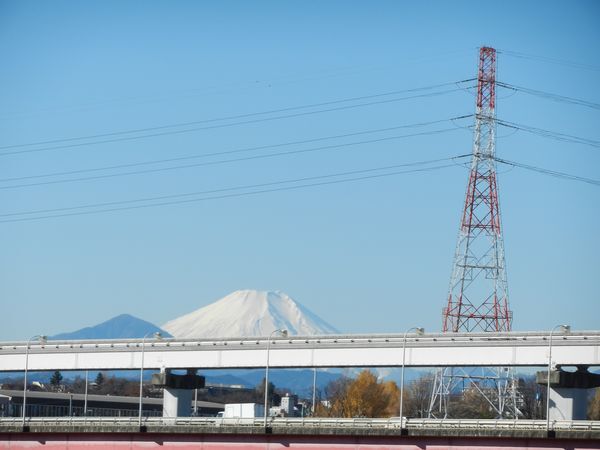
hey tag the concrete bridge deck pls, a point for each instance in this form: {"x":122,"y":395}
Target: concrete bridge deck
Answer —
{"x":373,"y":350}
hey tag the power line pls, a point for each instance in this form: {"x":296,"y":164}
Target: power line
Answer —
{"x":227,"y":152}
{"x":227,"y":161}
{"x":549,"y":60}
{"x":226,"y":88}
{"x":113,"y":135}
{"x":264,"y":188}
{"x":549,"y":134}
{"x":549,"y":95}
{"x":226,"y":125}
{"x":550,"y":172}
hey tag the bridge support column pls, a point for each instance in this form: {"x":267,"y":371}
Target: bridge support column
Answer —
{"x":176,"y":402}
{"x":568,"y":392}
{"x":177,"y":396}
{"x":568,"y":404}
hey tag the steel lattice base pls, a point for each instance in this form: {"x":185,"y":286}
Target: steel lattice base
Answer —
{"x":493,"y":389}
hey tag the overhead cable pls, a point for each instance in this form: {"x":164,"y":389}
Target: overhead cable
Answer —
{"x":227,"y":161}
{"x":546,"y":59}
{"x":118,"y":136}
{"x":549,"y":134}
{"x":550,"y":172}
{"x":297,"y":183}
{"x":549,"y":95}
{"x":226,"y":152}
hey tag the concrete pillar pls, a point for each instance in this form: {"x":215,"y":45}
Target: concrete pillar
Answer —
{"x":177,"y":394}
{"x":177,"y":402}
{"x":568,"y":392}
{"x":568,"y":404}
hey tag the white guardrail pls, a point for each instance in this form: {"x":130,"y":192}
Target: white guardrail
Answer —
{"x":357,"y":423}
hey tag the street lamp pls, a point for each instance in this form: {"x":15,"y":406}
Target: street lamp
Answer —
{"x":85,"y":397}
{"x":564,"y":329}
{"x":42,"y":339}
{"x":314,"y":392}
{"x":283,"y":333}
{"x":156,"y":335}
{"x":419,"y":332}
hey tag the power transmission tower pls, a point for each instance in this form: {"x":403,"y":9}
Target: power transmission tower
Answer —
{"x":478,"y":293}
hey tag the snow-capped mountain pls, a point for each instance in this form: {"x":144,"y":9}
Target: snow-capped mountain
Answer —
{"x":249,"y":313}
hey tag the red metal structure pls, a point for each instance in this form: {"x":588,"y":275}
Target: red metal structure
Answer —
{"x":478,"y":293}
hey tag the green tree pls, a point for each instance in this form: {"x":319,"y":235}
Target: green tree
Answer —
{"x":273,"y":397}
{"x":99,"y":380}
{"x":56,"y":379}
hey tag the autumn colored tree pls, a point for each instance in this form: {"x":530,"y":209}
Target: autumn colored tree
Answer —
{"x":391,"y":392}
{"x":471,"y":405}
{"x":336,"y":399}
{"x":594,"y":408}
{"x":363,"y":396}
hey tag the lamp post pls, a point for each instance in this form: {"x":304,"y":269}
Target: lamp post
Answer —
{"x":564,"y":329}
{"x":314,"y":396}
{"x":85,"y":398}
{"x":283,"y":333}
{"x":42,"y":339}
{"x":156,"y":335}
{"x":419,"y":331}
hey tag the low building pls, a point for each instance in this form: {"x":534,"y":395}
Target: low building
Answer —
{"x":53,"y":404}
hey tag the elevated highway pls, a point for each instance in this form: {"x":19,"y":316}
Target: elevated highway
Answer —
{"x":365,"y":350}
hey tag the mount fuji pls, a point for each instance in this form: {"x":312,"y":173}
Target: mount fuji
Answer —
{"x":249,"y":313}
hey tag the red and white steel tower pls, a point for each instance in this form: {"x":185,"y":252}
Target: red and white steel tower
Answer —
{"x":478,"y":294}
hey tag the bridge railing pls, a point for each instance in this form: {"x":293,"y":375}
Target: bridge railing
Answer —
{"x":289,"y":422}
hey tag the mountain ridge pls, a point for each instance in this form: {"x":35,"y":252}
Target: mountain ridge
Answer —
{"x":123,"y":326}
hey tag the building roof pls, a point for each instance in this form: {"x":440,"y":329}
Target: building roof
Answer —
{"x":18,"y":394}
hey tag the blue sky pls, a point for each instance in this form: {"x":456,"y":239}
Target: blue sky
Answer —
{"x":368,"y":256}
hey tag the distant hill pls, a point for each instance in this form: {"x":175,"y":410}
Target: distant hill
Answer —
{"x":297,"y":380}
{"x":124,"y":326}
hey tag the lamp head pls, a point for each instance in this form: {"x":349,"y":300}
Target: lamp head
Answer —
{"x":284,"y":333}
{"x":43,"y":339}
{"x":565,"y":329}
{"x":157,"y":335}
{"x":420,"y":331}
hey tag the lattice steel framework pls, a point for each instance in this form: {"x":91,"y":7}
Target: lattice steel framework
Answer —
{"x":478,"y":293}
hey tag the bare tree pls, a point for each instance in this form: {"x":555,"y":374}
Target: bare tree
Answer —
{"x":417,"y":396}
